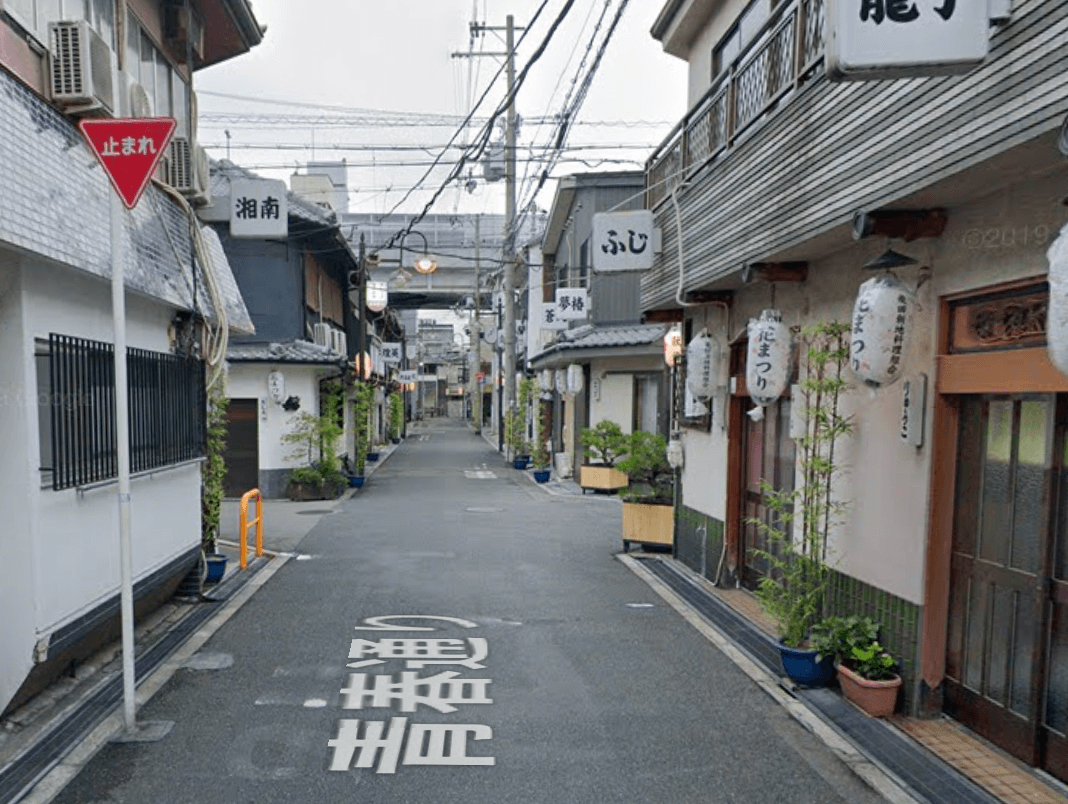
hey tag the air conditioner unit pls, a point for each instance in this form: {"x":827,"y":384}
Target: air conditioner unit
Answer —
{"x":81,"y":73}
{"x":188,"y":169}
{"x":321,"y":334}
{"x":340,"y":341}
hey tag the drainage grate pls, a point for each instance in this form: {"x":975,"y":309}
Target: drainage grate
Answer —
{"x":28,"y":768}
{"x":927,"y":776}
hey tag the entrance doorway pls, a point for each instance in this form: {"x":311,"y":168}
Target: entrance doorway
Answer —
{"x":242,"y":447}
{"x":1007,"y":653}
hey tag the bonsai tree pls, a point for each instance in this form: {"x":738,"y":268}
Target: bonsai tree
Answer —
{"x":652,"y":480}
{"x":793,"y":591}
{"x":213,"y":473}
{"x":396,"y":415}
{"x":605,"y":442}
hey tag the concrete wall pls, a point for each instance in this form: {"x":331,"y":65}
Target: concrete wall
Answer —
{"x":61,"y":548}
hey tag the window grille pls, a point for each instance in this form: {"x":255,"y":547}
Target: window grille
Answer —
{"x":167,"y":406}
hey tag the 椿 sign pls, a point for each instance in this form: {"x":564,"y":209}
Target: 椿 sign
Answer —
{"x":905,"y":38}
{"x":129,"y":150}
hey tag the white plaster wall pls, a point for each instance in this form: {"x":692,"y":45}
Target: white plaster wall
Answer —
{"x":18,"y":568}
{"x":73,"y":535}
{"x":616,"y":402}
{"x":700,"y":60}
{"x":249,"y":381}
{"x":886,"y":483}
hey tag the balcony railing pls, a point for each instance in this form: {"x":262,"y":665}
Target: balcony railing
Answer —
{"x":783,"y":55}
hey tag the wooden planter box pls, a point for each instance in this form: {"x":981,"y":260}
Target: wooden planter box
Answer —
{"x":601,"y":478}
{"x":648,"y":524}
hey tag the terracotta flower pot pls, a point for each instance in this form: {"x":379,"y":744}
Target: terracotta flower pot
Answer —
{"x":877,"y":698}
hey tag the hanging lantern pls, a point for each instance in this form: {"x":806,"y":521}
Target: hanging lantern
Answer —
{"x":561,"y":381}
{"x":1057,"y":316}
{"x":882,"y":320}
{"x":675,"y":455}
{"x":545,"y":379}
{"x":767,"y":367}
{"x":702,"y":365}
{"x":574,"y":379}
{"x":673,"y":345}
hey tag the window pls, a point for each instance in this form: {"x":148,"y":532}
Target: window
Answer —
{"x":145,"y":63}
{"x":34,"y":15}
{"x":741,"y":34}
{"x":76,"y":406}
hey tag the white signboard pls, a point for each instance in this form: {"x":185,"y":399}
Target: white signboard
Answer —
{"x":391,"y":352}
{"x":258,"y":208}
{"x":407,"y":376}
{"x":623,"y":241}
{"x":377,"y":296}
{"x":549,"y":317}
{"x":905,"y":38}
{"x":572,"y":303}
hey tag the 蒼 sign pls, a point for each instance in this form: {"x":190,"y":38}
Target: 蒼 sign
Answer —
{"x":905,"y":38}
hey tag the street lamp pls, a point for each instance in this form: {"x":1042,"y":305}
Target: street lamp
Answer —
{"x":423,"y":263}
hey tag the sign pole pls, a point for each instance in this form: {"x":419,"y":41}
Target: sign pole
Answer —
{"x":122,"y":435}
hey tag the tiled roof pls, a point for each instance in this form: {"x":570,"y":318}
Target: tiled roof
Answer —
{"x":592,"y":336}
{"x":56,"y":203}
{"x":289,"y":352}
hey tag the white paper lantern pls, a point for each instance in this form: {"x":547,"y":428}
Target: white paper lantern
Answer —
{"x":882,"y":321}
{"x":1057,"y":316}
{"x":574,"y":378}
{"x":675,"y":454}
{"x":546,"y":380}
{"x":561,"y":381}
{"x":702,"y":365}
{"x":767,"y":366}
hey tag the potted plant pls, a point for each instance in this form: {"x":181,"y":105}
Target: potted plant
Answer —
{"x":648,"y":502}
{"x":363,"y":398}
{"x":315,"y":439}
{"x":866,"y":672}
{"x":800,"y":521}
{"x":213,"y":476}
{"x":541,"y":460}
{"x":604,"y":444}
{"x":514,"y":437}
{"x":396,"y":417}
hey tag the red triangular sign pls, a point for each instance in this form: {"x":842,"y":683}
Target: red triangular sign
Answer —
{"x":129,"y":149}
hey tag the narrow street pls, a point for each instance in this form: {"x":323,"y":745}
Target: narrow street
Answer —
{"x":584,"y":686}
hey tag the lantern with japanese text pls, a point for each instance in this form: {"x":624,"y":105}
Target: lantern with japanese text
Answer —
{"x":561,"y":381}
{"x":767,"y":367}
{"x":702,"y":365}
{"x":574,"y":379}
{"x":1057,"y":316}
{"x":673,"y":345}
{"x":545,"y":380}
{"x":882,"y":320}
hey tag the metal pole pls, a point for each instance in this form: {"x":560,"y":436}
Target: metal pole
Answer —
{"x":122,"y":434}
{"x":509,"y":232}
{"x":476,"y":333}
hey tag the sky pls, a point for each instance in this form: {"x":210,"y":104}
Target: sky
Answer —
{"x":375,"y":82}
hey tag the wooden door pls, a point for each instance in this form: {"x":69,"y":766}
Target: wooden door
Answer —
{"x":1007,"y":653}
{"x":242,"y":447}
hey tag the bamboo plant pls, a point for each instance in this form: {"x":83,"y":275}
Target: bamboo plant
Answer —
{"x":214,"y":470}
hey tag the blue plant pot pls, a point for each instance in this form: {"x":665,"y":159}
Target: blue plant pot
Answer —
{"x":372,"y":457}
{"x":520,"y":463}
{"x":356,"y":481}
{"x":802,"y":668}
{"x":542,"y":475}
{"x":216,"y":567}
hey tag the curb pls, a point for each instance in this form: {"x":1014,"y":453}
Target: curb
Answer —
{"x":873,"y":774}
{"x":70,"y":765}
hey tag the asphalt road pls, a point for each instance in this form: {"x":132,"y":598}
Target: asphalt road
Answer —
{"x":564,"y":677}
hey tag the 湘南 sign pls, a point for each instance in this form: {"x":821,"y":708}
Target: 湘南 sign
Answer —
{"x":905,"y":38}
{"x":129,"y":150}
{"x":258,"y":208}
{"x":623,"y":241}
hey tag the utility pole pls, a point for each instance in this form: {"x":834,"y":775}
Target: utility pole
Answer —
{"x":476,"y":333}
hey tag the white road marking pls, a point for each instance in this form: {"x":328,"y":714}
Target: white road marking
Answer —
{"x":478,"y":474}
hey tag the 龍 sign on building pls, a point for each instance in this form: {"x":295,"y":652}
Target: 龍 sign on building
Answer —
{"x":258,"y":208}
{"x":905,"y":38}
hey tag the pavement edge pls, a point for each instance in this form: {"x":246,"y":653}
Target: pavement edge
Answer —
{"x":877,"y":777}
{"x":64,"y":772}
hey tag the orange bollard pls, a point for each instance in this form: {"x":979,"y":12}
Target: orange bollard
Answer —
{"x":245,"y":524}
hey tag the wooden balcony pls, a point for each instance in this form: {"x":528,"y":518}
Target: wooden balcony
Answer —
{"x":772,"y":162}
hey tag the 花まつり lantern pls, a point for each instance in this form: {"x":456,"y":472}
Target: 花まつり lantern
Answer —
{"x":882,"y":321}
{"x":767,"y":367}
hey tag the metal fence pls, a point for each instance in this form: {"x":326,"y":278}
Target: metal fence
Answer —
{"x":779,"y":58}
{"x":167,"y":406}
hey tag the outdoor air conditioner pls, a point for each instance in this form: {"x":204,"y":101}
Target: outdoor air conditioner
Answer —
{"x":339,"y":341}
{"x":187,"y":169}
{"x":81,"y":75}
{"x":321,"y":333}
